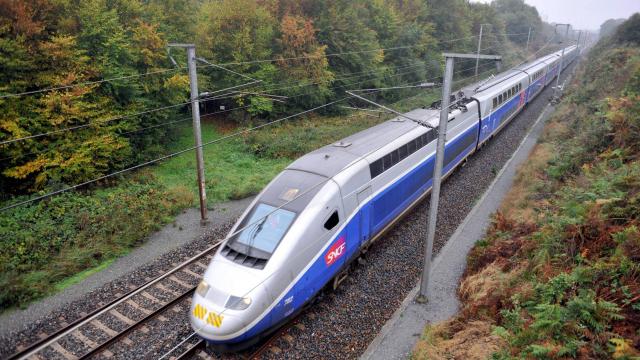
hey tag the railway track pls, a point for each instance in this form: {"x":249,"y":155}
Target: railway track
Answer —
{"x":94,"y":333}
{"x":197,"y":350}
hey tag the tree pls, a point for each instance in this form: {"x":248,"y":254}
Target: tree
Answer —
{"x":344,"y":30}
{"x":609,"y":27}
{"x":302,"y":62}
{"x":518,"y":17}
{"x":238,"y":32}
{"x":629,"y":31}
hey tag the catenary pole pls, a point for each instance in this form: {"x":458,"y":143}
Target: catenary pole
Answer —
{"x":437,"y":177}
{"x":432,"y":217}
{"x":197,"y":132}
{"x":555,"y":90}
{"x":528,"y":38}
{"x":478,"y":52}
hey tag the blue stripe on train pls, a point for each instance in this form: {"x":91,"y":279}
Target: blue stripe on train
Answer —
{"x":380,"y":210}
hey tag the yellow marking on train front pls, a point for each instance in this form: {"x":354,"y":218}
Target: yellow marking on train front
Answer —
{"x":199,"y":311}
{"x":214,"y":319}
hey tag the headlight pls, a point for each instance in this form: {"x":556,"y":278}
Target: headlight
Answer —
{"x":238,"y":303}
{"x":202,"y":289}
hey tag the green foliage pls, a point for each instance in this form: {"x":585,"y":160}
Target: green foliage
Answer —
{"x":45,"y":243}
{"x":629,"y":31}
{"x":55,"y":44}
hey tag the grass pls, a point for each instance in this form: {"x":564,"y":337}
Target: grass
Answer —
{"x":241,"y":166}
{"x":82,"y":275}
{"x":231,"y":172}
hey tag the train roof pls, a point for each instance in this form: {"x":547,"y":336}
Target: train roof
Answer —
{"x":330,"y":160}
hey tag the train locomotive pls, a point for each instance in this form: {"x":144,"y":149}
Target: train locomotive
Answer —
{"x":325,"y":209}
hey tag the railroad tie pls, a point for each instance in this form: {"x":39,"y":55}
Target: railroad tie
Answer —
{"x":85,"y":340}
{"x":64,"y":352}
{"x":201,"y":265}
{"x":166,"y":289}
{"x":107,"y":330}
{"x":192,"y":273}
{"x":35,"y":357}
{"x":138,"y":307}
{"x":151,"y":297}
{"x":180,"y":282}
{"x":121,"y":317}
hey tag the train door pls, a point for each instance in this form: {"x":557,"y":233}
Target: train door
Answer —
{"x":365,"y":215}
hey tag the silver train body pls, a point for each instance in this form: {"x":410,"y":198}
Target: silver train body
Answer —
{"x":302,"y":231}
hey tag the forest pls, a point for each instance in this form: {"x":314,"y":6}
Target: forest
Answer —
{"x":88,"y":89}
{"x":70,"y":46}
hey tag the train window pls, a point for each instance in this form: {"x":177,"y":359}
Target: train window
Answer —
{"x":376,"y":168}
{"x":268,"y":226}
{"x":495,"y":103}
{"x":412,"y":146}
{"x":432,"y":135}
{"x":500,"y":99}
{"x":504,"y":96}
{"x":332,"y":221}
{"x":387,"y":162}
{"x":402,"y":152}
{"x":394,"y":157}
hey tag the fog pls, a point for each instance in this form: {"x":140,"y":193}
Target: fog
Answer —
{"x":583,"y":14}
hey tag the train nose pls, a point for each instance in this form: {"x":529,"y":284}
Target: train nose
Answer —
{"x":217,"y":316}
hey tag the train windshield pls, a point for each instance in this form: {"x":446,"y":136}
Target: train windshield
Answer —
{"x":263,"y":230}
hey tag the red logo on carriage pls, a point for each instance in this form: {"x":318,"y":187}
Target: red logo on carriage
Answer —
{"x":335,"y":251}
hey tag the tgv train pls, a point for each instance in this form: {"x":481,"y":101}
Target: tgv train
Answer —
{"x":326,"y":208}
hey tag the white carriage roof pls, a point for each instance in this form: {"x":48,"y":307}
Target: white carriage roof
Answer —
{"x":330,"y":160}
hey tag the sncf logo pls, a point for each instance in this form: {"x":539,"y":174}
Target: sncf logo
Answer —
{"x":335,"y":251}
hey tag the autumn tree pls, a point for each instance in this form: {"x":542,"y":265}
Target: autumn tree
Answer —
{"x":302,"y":62}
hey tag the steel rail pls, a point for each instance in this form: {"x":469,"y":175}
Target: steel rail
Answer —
{"x":131,"y":327}
{"x":44,"y":343}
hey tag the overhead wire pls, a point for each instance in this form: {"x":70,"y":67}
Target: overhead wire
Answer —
{"x":88,"y":83}
{"x":168,"y":156}
{"x":209,"y":64}
{"x":165,"y":157}
{"x":96,"y":82}
{"x":156,"y":72}
{"x":229,"y":110}
{"x":188,"y":118}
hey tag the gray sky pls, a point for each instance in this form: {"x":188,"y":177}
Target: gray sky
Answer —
{"x":583,"y":14}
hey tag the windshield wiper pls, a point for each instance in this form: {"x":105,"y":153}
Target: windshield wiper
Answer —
{"x":258,"y":229}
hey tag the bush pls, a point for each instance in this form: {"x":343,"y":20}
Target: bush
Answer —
{"x":44,"y":243}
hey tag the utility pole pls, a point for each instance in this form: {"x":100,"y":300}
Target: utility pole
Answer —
{"x":437,"y":173}
{"x":479,"y":44}
{"x":579,"y":36}
{"x":555,"y":90}
{"x":528,"y":38}
{"x":197,"y":132}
